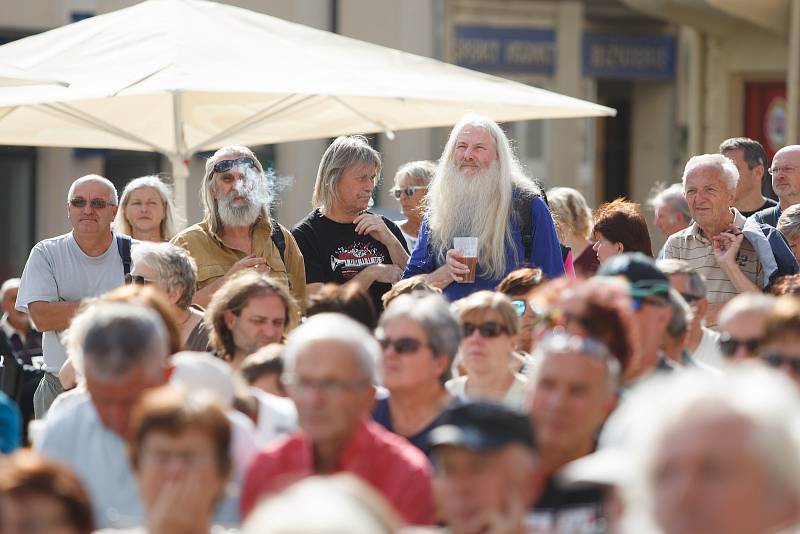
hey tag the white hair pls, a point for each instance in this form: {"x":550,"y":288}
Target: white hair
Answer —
{"x":671,"y":197}
{"x":8,"y":285}
{"x":726,"y":167}
{"x":342,"y":503}
{"x":169,"y":223}
{"x":789,"y":222}
{"x":338,"y":328}
{"x":766,"y":399}
{"x":94,"y":178}
{"x":746,"y":302}
{"x":482,"y":206}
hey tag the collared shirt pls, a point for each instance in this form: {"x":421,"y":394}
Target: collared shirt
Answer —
{"x":697,"y":250}
{"x":9,"y":330}
{"x":214,"y":258}
{"x":394,"y":467}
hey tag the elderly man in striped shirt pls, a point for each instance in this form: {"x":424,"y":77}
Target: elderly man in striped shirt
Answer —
{"x":734,"y":254}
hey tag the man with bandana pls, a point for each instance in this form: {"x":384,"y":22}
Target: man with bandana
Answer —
{"x":237,"y":231}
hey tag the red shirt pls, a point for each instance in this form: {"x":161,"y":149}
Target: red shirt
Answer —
{"x":394,"y":467}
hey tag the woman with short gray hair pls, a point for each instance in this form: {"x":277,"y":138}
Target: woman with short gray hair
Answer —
{"x":789,"y":226}
{"x":174,"y":271}
{"x":340,"y":240}
{"x":419,"y":336}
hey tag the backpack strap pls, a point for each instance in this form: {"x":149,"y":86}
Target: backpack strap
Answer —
{"x":522,"y":211}
{"x":278,"y":239}
{"x":124,"y":248}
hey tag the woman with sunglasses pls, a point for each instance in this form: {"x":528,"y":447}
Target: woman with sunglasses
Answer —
{"x":146,"y":210}
{"x":491,"y":326}
{"x":780,"y":347}
{"x":410,"y":185}
{"x":419,"y":335}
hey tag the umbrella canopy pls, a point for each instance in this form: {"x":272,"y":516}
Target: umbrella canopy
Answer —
{"x":181,"y":76}
{"x":14,"y":77}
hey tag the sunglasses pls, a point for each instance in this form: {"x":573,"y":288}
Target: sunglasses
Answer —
{"x":488,"y":330}
{"x":779,"y":361}
{"x":95,"y":203}
{"x":519,"y":306}
{"x":728,"y":345}
{"x":401,"y":345}
{"x":690,"y":299}
{"x":638,"y":303}
{"x":407,"y":191}
{"x":137,"y":279}
{"x":227,"y":164}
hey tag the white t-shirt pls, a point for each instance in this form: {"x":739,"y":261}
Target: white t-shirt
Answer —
{"x":76,"y":437}
{"x":276,"y":416}
{"x":707,"y":350}
{"x":514,"y":397}
{"x":58,"y":270}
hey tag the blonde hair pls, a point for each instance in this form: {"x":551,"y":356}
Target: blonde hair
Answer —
{"x":169,"y":223}
{"x":481,"y":302}
{"x":571,"y":211}
{"x":344,"y":152}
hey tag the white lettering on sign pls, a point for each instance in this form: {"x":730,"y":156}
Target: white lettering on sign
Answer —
{"x":526,"y":53}
{"x":477,"y":51}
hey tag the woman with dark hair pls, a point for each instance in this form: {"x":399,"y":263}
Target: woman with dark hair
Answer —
{"x":349,"y":300}
{"x":620,"y":226}
{"x":179,"y":449}
{"x":39,"y":496}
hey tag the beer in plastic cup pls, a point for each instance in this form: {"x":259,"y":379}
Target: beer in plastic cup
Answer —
{"x":468,"y":248}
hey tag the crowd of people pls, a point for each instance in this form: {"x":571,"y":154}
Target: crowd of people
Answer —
{"x":504,"y":360}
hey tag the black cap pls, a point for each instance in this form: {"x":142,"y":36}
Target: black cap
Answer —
{"x":482,"y":426}
{"x":645,"y":278}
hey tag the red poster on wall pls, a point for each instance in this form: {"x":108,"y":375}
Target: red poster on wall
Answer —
{"x":765,"y":114}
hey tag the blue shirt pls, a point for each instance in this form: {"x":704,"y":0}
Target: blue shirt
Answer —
{"x":545,"y":253}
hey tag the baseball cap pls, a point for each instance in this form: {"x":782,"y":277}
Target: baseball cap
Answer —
{"x":644,"y":277}
{"x":482,"y":426}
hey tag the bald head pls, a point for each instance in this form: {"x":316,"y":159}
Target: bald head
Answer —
{"x":785,"y":171}
{"x":95,"y":178}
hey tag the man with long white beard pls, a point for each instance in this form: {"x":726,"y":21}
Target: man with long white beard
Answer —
{"x":480,"y":190}
{"x":237,"y":231}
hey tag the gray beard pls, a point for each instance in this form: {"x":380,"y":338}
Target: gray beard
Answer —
{"x":234,"y":216}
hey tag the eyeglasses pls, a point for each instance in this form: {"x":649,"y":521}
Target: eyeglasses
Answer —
{"x":137,"y":279}
{"x":407,"y":191}
{"x":690,"y":299}
{"x":777,"y":170}
{"x":776,"y":360}
{"x":327,"y":388}
{"x":401,"y":345}
{"x":519,"y":306}
{"x":488,"y":330}
{"x":95,"y":203}
{"x":227,"y":164}
{"x":637,"y":303}
{"x":728,"y":345}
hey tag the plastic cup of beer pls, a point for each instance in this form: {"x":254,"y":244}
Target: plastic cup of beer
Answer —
{"x":468,"y":248}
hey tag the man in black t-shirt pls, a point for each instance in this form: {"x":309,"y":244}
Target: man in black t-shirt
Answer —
{"x":340,"y":241}
{"x":751,"y":162}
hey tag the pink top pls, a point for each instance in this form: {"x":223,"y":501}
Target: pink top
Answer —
{"x":389,"y":463}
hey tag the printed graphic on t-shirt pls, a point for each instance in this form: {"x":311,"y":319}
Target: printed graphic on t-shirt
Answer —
{"x":349,"y":260}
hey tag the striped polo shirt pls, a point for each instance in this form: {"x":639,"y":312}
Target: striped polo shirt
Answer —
{"x":696,"y":249}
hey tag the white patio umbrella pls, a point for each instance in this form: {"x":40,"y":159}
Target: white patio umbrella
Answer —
{"x":181,"y":76}
{"x":14,"y":77}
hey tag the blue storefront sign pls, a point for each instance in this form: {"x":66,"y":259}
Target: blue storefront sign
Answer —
{"x":508,"y":50}
{"x":628,"y":57}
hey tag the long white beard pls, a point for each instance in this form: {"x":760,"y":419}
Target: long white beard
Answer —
{"x":465,"y":205}
{"x":254,"y":190}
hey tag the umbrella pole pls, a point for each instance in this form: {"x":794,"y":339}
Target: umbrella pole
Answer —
{"x":180,"y":175}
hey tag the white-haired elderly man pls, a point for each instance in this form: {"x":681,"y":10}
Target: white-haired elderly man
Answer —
{"x":670,"y":209}
{"x":123,"y":353}
{"x":722,"y":455}
{"x":237,"y":231}
{"x":785,"y":172}
{"x":330,"y":369}
{"x":480,"y":190}
{"x":61,"y":271}
{"x":342,"y":242}
{"x":731,"y":252}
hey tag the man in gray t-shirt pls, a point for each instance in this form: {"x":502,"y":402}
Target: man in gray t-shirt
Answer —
{"x":63,"y":270}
